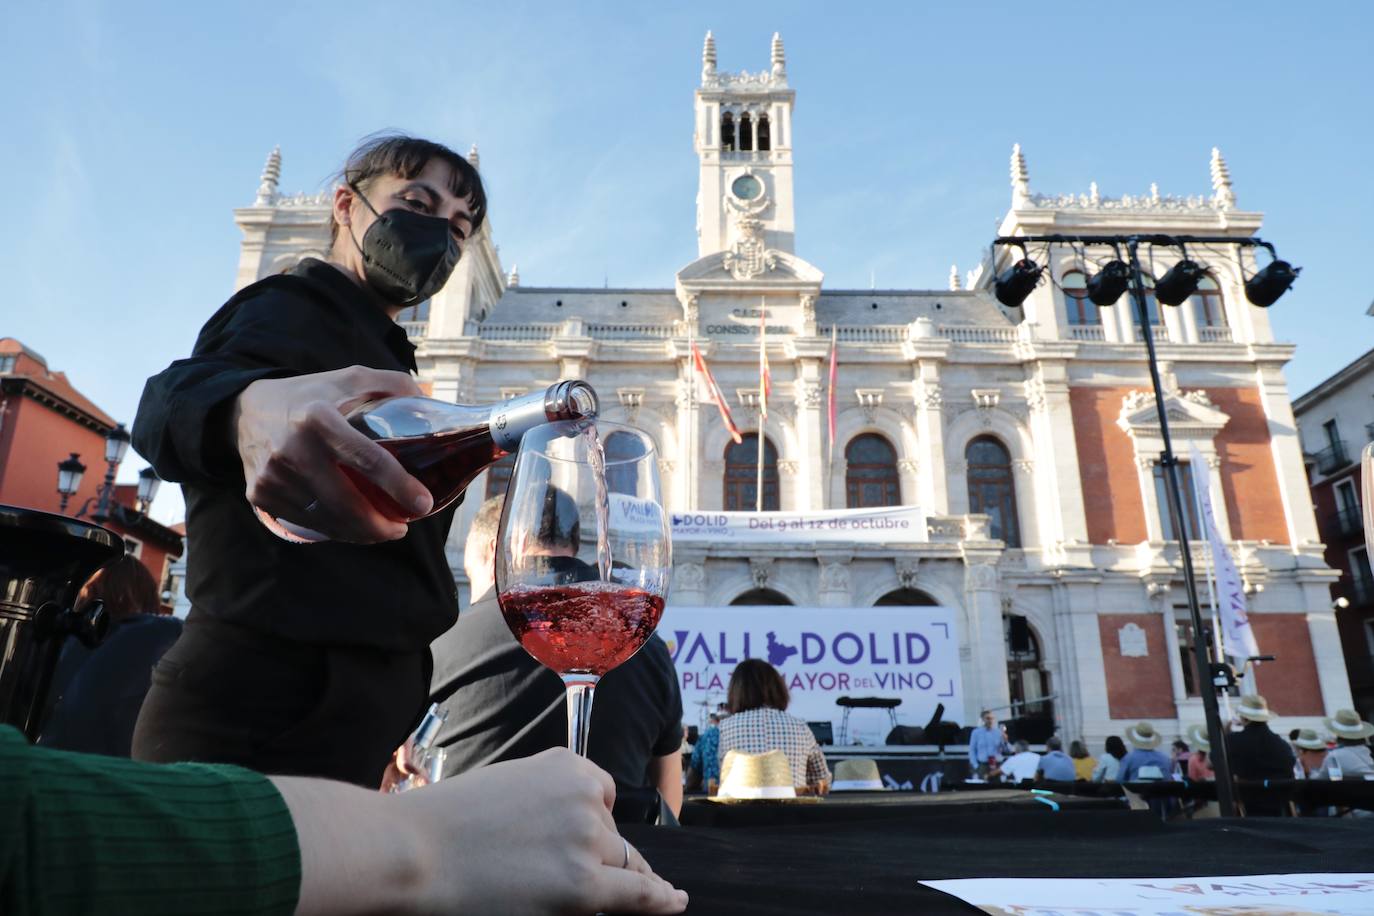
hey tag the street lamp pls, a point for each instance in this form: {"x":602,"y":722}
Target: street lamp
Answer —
{"x":69,"y":473}
{"x":148,"y":482}
{"x":116,"y":447}
{"x":1263,"y":289}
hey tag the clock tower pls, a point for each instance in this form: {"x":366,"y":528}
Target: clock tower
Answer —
{"x":744,"y":144}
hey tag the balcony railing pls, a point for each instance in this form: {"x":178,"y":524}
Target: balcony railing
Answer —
{"x":1214,"y":335}
{"x":414,"y":329}
{"x":972,"y":333}
{"x":873,"y":333}
{"x":1347,"y":522}
{"x":1332,"y":458}
{"x":1086,"y":332}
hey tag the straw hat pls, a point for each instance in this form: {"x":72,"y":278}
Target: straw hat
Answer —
{"x":756,"y":776}
{"x":1346,"y":723}
{"x":857,"y":774}
{"x":1197,"y":737}
{"x":1309,"y":740}
{"x":1254,"y":709}
{"x":1143,"y":736}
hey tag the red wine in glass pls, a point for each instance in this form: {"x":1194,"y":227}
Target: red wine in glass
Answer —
{"x":585,"y":628}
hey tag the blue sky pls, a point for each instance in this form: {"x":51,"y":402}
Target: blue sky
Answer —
{"x":133,"y":129}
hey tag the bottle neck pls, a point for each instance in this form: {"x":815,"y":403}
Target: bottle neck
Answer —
{"x":567,"y":400}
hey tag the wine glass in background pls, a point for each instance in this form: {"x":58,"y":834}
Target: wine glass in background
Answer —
{"x":583,"y":554}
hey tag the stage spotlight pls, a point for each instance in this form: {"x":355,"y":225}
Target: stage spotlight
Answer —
{"x":1179,"y":283}
{"x":1014,"y":284}
{"x":1107,"y":285}
{"x":1273,"y":280}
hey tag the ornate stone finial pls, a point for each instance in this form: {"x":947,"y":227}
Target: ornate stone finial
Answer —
{"x":271,"y":174}
{"x":1221,"y":182}
{"x":954,"y":283}
{"x":514,"y":278}
{"x":474,"y":157}
{"x":1154,"y":192}
{"x":708,"y":55}
{"x":1094,"y":197}
{"x":779,"y":59}
{"x":1020,"y":177}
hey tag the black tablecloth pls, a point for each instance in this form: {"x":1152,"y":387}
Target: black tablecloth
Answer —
{"x":871,"y":806}
{"x":873,"y":867}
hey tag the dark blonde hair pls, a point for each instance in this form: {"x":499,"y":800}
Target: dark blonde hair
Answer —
{"x":756,"y":684}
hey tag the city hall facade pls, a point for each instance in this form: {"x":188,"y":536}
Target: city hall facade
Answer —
{"x":1027,"y":437}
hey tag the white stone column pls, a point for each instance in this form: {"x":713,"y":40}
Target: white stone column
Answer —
{"x":982,"y":589}
{"x":1286,"y":450}
{"x":933,"y":486}
{"x":689,"y":438}
{"x":810,"y":484}
{"x":1058,"y":485}
{"x":1327,"y":653}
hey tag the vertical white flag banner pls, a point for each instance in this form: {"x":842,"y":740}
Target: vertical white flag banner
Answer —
{"x":1235,"y":619}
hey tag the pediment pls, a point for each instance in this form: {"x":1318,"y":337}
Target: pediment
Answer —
{"x":774,"y":268}
{"x":1190,"y":413}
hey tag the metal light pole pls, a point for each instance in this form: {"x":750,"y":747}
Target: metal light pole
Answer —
{"x":1220,"y":759}
{"x":1262,"y":290}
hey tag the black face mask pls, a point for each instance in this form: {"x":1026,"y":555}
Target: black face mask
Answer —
{"x":408,"y":256}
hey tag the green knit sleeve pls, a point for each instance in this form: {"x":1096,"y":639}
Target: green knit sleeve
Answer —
{"x":82,"y":833}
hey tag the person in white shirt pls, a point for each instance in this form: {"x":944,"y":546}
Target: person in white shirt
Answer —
{"x":1021,"y":765}
{"x":1351,"y":752}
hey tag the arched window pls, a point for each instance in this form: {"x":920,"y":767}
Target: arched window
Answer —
{"x":762,"y":596}
{"x":498,"y":476}
{"x":765,"y":134}
{"x":990,"y":488}
{"x":741,"y":475}
{"x":1027,"y":679}
{"x":727,"y":132}
{"x":906,"y":597}
{"x":870,"y":477}
{"x":746,"y":132}
{"x":621,"y":449}
{"x":1207,"y":306}
{"x":1080,"y":309}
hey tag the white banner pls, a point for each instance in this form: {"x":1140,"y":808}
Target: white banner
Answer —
{"x":1237,"y":636}
{"x":1231,"y":894}
{"x":906,"y":653}
{"x":899,"y":524}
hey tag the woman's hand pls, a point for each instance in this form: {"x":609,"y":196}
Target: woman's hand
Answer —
{"x":293,"y":440}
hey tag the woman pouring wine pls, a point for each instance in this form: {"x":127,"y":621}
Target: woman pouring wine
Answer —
{"x":314,"y":660}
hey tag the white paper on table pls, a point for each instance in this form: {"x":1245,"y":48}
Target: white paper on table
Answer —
{"x":1223,"y":895}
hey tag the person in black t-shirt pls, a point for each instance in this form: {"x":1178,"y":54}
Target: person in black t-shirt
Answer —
{"x":503,"y":704}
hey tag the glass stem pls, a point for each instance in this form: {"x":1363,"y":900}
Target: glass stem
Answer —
{"x":580,"y":688}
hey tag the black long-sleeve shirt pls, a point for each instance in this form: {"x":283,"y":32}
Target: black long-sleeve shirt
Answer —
{"x":397,"y":596}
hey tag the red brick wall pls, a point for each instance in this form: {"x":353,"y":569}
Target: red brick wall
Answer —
{"x":1289,"y":682}
{"x":1111,"y":487}
{"x":1247,"y":466}
{"x":1106,"y":461}
{"x":33,"y":440}
{"x":1137,"y":688}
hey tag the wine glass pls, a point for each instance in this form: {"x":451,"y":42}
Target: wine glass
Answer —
{"x":583,"y":554}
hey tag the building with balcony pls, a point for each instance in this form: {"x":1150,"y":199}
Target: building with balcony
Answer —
{"x":1028,"y":437}
{"x":1335,"y":423}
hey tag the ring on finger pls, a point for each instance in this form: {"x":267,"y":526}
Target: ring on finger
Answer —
{"x":314,"y":504}
{"x":626,"y":863}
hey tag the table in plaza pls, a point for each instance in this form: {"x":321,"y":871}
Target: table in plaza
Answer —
{"x":872,"y":865}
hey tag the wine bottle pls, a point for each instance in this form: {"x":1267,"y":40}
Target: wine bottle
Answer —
{"x":444,"y":445}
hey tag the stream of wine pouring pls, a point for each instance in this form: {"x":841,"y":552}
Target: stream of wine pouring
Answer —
{"x":597,"y":459}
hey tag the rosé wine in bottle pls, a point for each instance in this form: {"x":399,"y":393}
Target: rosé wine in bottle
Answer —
{"x":444,"y":446}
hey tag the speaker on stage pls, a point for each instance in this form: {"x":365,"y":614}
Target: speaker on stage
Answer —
{"x":906,"y":734}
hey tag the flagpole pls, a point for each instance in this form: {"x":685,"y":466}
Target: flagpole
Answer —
{"x":688,"y":496}
{"x":763,"y":402}
{"x":830,"y":411}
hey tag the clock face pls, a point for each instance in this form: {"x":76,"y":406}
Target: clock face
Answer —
{"x":747,"y":187}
